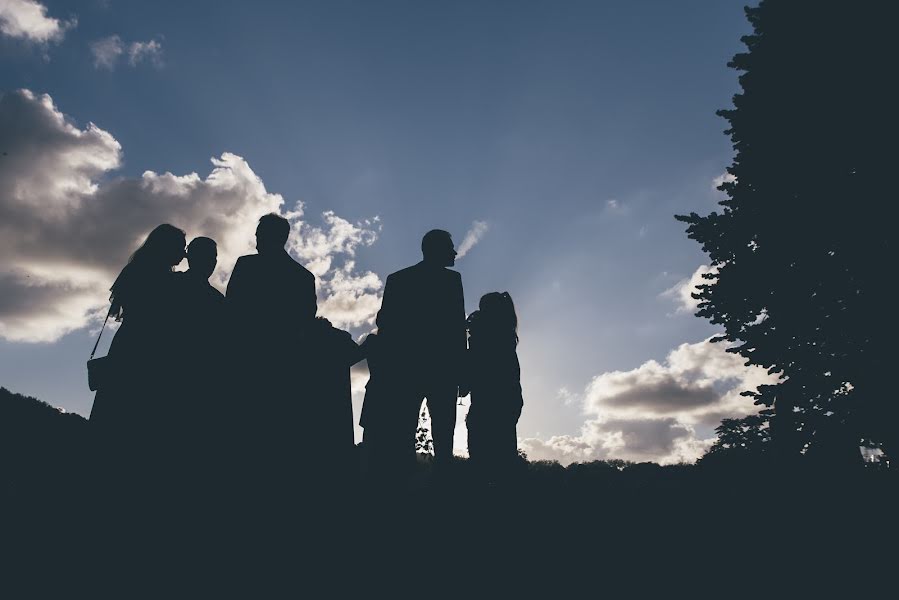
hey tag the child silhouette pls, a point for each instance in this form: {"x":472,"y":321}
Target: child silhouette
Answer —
{"x":494,"y":380}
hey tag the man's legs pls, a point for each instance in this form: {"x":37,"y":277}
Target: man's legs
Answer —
{"x":442,"y":408}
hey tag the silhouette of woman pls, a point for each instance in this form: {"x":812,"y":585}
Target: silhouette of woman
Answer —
{"x":494,"y":379}
{"x":127,"y":409}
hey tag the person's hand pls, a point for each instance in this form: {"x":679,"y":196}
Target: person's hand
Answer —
{"x":368,"y":342}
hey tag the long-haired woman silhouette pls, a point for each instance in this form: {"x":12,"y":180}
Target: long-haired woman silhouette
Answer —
{"x":494,"y":377}
{"x":127,"y":410}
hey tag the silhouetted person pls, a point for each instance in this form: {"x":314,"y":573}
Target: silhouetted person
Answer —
{"x":421,"y":343}
{"x":494,"y":378}
{"x":202,"y":361}
{"x":270,"y":283}
{"x":130,"y":415}
{"x":271,"y":305}
{"x":202,"y":257}
{"x":384,"y":421}
{"x":203,"y":312}
{"x":330,"y":440}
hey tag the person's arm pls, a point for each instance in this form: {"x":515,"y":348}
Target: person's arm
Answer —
{"x":385,"y":317}
{"x":354,"y":352}
{"x":460,"y":317}
{"x":310,"y":304}
{"x":460,"y":342}
{"x":235,"y":292}
{"x":465,"y":377}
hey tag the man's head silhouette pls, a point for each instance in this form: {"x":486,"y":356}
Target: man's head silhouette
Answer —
{"x":272,"y":233}
{"x":202,"y":255}
{"x":437,"y":248}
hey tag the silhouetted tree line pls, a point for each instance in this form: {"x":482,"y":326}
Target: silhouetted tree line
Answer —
{"x":803,"y":248}
{"x":45,"y":451}
{"x":41,"y":447}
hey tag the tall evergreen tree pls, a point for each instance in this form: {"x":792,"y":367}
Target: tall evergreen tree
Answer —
{"x":804,"y":247}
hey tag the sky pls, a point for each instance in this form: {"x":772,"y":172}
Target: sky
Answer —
{"x":556,"y":140}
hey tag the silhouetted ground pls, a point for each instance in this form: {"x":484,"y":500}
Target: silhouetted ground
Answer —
{"x":720,"y":528}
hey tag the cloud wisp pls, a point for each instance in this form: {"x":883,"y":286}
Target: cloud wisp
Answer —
{"x":108,"y":52}
{"x":472,"y":237}
{"x":651,"y":413}
{"x":67,"y":227}
{"x":27,"y":20}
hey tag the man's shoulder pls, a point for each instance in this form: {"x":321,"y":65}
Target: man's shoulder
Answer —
{"x":247,"y":260}
{"x":299,"y":269}
{"x":402,"y":274}
{"x":449,"y":275}
{"x":421,"y":271}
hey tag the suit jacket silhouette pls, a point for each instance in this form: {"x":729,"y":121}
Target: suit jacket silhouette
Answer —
{"x":422,"y":322}
{"x":273,"y":288}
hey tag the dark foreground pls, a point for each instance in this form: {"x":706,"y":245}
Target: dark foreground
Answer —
{"x":598,"y":527}
{"x":727,"y":526}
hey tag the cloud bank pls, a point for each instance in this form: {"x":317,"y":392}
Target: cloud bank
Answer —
{"x":67,"y":226}
{"x":651,"y":413}
{"x":28,"y":20}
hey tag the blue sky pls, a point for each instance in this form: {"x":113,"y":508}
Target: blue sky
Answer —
{"x":575,"y":130}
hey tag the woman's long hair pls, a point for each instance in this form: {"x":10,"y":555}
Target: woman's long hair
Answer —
{"x":157,"y":253}
{"x":498,"y":315}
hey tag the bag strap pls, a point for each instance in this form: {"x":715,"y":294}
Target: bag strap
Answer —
{"x":97,"y":343}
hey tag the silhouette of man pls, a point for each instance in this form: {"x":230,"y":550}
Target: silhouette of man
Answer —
{"x":271,"y":304}
{"x":421,"y":325}
{"x":270,"y":284}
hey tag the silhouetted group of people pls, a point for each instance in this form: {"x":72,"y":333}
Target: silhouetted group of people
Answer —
{"x":252,"y":387}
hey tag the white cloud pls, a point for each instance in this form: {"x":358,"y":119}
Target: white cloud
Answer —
{"x":472,"y":237}
{"x":28,"y":20}
{"x":66,"y":228}
{"x":721,"y":179}
{"x":316,"y":246}
{"x":351,"y":299}
{"x":359,"y":376}
{"x":682,"y":291}
{"x":108,"y":51}
{"x":652,"y":412}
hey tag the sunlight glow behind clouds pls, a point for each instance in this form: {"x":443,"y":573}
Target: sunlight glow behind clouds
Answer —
{"x":65,"y":231}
